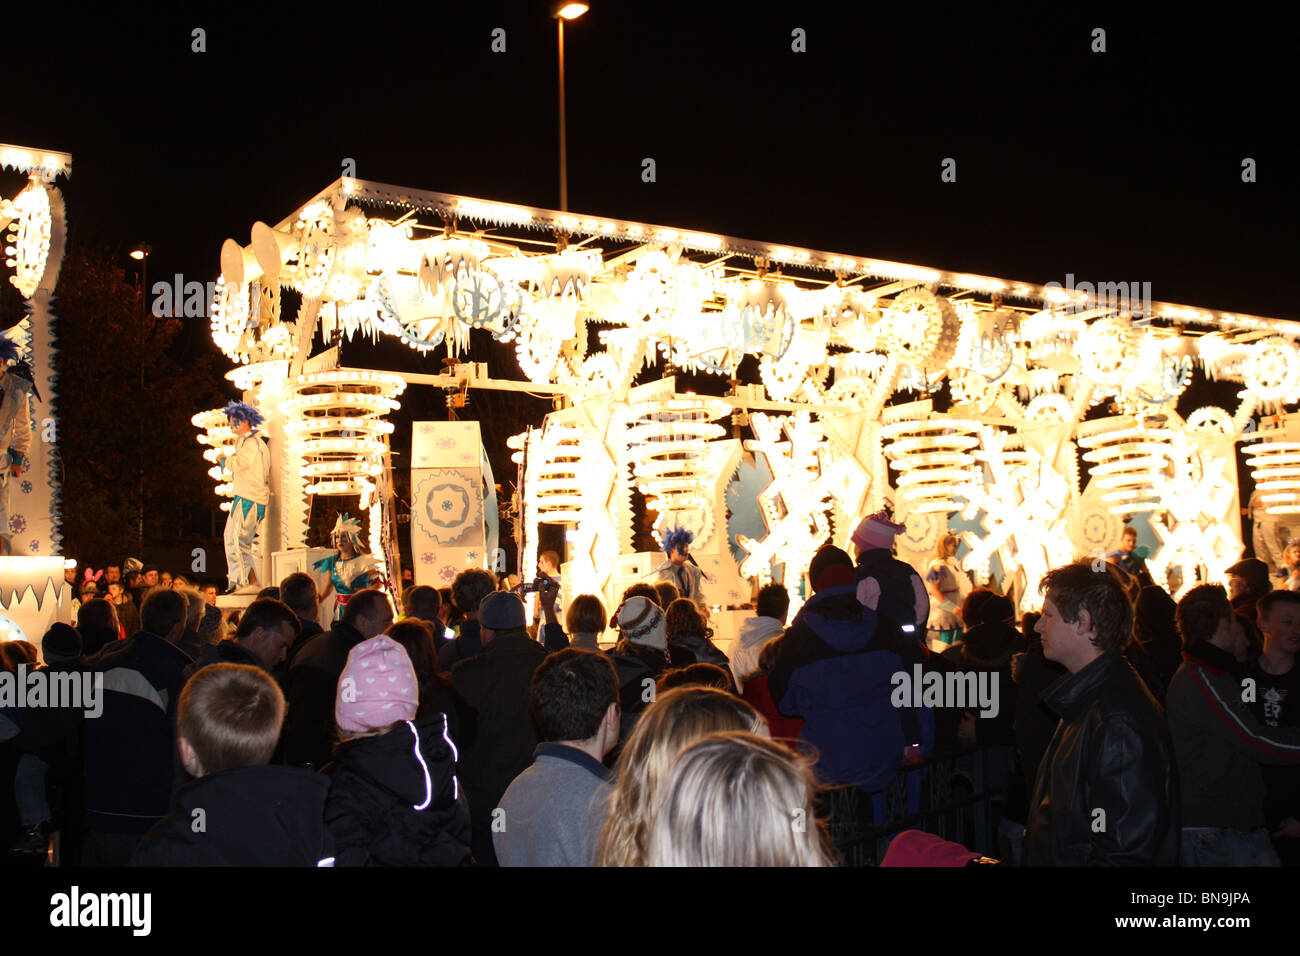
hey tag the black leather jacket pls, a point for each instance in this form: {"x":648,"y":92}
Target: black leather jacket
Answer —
{"x":1107,"y":792}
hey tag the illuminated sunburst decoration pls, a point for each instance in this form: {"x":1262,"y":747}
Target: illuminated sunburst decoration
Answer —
{"x":334,"y":422}
{"x":921,"y":329}
{"x":1272,"y":372}
{"x":27,"y":245}
{"x":314,"y":232}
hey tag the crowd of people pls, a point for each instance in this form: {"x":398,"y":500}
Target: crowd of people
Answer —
{"x":1122,"y":728}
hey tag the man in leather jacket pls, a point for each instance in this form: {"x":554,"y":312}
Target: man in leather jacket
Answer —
{"x":1107,"y":791}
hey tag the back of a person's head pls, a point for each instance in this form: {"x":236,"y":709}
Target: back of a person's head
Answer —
{"x":421,"y":602}
{"x":194,"y":605}
{"x":773,"y":601}
{"x":641,"y":589}
{"x":585,"y":615}
{"x":231,"y":715}
{"x":996,"y":609}
{"x":674,"y":721}
{"x":1128,"y":582}
{"x":699,"y":674}
{"x":470,"y":588}
{"x":1201,"y":611}
{"x":267,"y":614}
{"x":768,"y":654}
{"x":682,"y":619}
{"x":969,"y":612}
{"x":736,"y":799}
{"x":298,"y":592}
{"x":365,"y":603}
{"x":99,"y":614}
{"x":1075,"y":587}
{"x":162,"y":610}
{"x":13,"y":653}
{"x":571,"y":692}
{"x":416,"y":638}
{"x":270,"y":591}
{"x":667,"y":592}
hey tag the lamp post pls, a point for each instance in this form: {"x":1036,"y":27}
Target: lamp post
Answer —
{"x":141,"y":255}
{"x":561,"y":12}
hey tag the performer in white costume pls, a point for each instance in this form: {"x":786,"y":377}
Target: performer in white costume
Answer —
{"x":16,"y":385}
{"x":680,"y":569}
{"x":350,"y":570}
{"x":249,"y":469}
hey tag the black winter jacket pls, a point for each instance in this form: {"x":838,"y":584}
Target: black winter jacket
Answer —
{"x":250,"y":816}
{"x":1107,"y":791}
{"x":387,"y":807}
{"x":308,"y":736}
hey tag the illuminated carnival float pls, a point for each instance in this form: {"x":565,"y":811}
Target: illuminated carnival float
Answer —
{"x":33,"y":593}
{"x":852,"y":355}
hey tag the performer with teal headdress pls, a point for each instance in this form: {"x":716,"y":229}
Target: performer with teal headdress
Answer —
{"x":249,"y":468}
{"x":350,"y":569}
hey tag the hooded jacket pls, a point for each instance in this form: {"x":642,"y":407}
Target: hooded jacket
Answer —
{"x":638,"y":667}
{"x":754,"y":633}
{"x":835,"y":669}
{"x":1107,"y":791}
{"x":251,"y":816}
{"x":308,"y":735}
{"x":1220,"y":744}
{"x":395,"y":800}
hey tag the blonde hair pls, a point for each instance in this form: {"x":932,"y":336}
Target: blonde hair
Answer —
{"x":941,"y":546}
{"x":673,"y":722}
{"x":231,"y":714}
{"x":735,"y":799}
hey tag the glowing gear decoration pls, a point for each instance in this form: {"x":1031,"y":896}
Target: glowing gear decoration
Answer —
{"x":1107,"y":352}
{"x":921,"y":329}
{"x":1272,"y":372}
{"x":314,"y":232}
{"x":27,"y":246}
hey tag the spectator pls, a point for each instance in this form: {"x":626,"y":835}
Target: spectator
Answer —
{"x":670,"y":725}
{"x":835,"y":670}
{"x":1218,"y":741}
{"x":729,"y":800}
{"x":756,"y":693}
{"x":229,"y":719}
{"x":495,"y":683}
{"x":1248,"y":581}
{"x":639,"y":657}
{"x":989,"y":643}
{"x":195,"y":606}
{"x":755,"y":633}
{"x":129,"y":746}
{"x":394,"y":799}
{"x":298,"y":592}
{"x":314,"y":676}
{"x":149,"y":577}
{"x":127,"y":612}
{"x":266,"y":631}
{"x":423,"y":604}
{"x":548,"y":566}
{"x":554,"y":810}
{"x":585,"y":621}
{"x":689,"y":636}
{"x":886,"y":585}
{"x":97,"y":624}
{"x":437,"y":695}
{"x":113,"y":574}
{"x":1111,"y":751}
{"x":1277,"y":704}
{"x":667,"y":593}
{"x":696,"y":675}
{"x":641,"y":589}
{"x":179,"y":582}
{"x":1034,"y":726}
{"x":165,"y":579}
{"x":467,"y":591}
{"x":1156,"y":630}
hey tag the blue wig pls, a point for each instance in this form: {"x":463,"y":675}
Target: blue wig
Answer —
{"x":243,"y":412}
{"x":9,"y":350}
{"x":675,"y":537}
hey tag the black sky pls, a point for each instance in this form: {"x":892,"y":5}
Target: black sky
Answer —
{"x":1123,"y":165}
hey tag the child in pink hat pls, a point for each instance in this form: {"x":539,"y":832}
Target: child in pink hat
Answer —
{"x":394,"y":796}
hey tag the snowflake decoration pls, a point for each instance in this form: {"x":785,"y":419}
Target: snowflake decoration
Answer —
{"x":426,"y":428}
{"x":446,"y":444}
{"x":427,"y":558}
{"x":17,"y":524}
{"x":466,"y":459}
{"x":448,"y":572}
{"x":472,"y":556}
{"x":34,"y":546}
{"x":26,"y":487}
{"x":734,"y":595}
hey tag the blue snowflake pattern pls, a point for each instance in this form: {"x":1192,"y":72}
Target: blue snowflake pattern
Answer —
{"x":446,"y":506}
{"x":26,"y":487}
{"x":34,"y":546}
{"x":17,"y":524}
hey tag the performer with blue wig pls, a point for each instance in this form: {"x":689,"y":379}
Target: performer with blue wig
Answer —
{"x":17,"y":384}
{"x":350,"y":569}
{"x":249,"y":468}
{"x":680,"y":569}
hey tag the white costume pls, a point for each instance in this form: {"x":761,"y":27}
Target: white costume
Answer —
{"x":250,"y":474}
{"x":954,"y":584}
{"x":15,"y":439}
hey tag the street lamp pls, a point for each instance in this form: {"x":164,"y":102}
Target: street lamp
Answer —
{"x":141,"y":255}
{"x":561,"y":12}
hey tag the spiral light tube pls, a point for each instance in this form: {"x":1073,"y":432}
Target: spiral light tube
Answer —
{"x":934,"y":460}
{"x":667,"y":441}
{"x":1129,"y":461}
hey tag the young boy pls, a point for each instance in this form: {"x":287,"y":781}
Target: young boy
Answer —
{"x":239,"y":811}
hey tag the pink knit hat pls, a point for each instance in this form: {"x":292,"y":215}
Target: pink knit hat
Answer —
{"x":377,"y":687}
{"x":877,"y":531}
